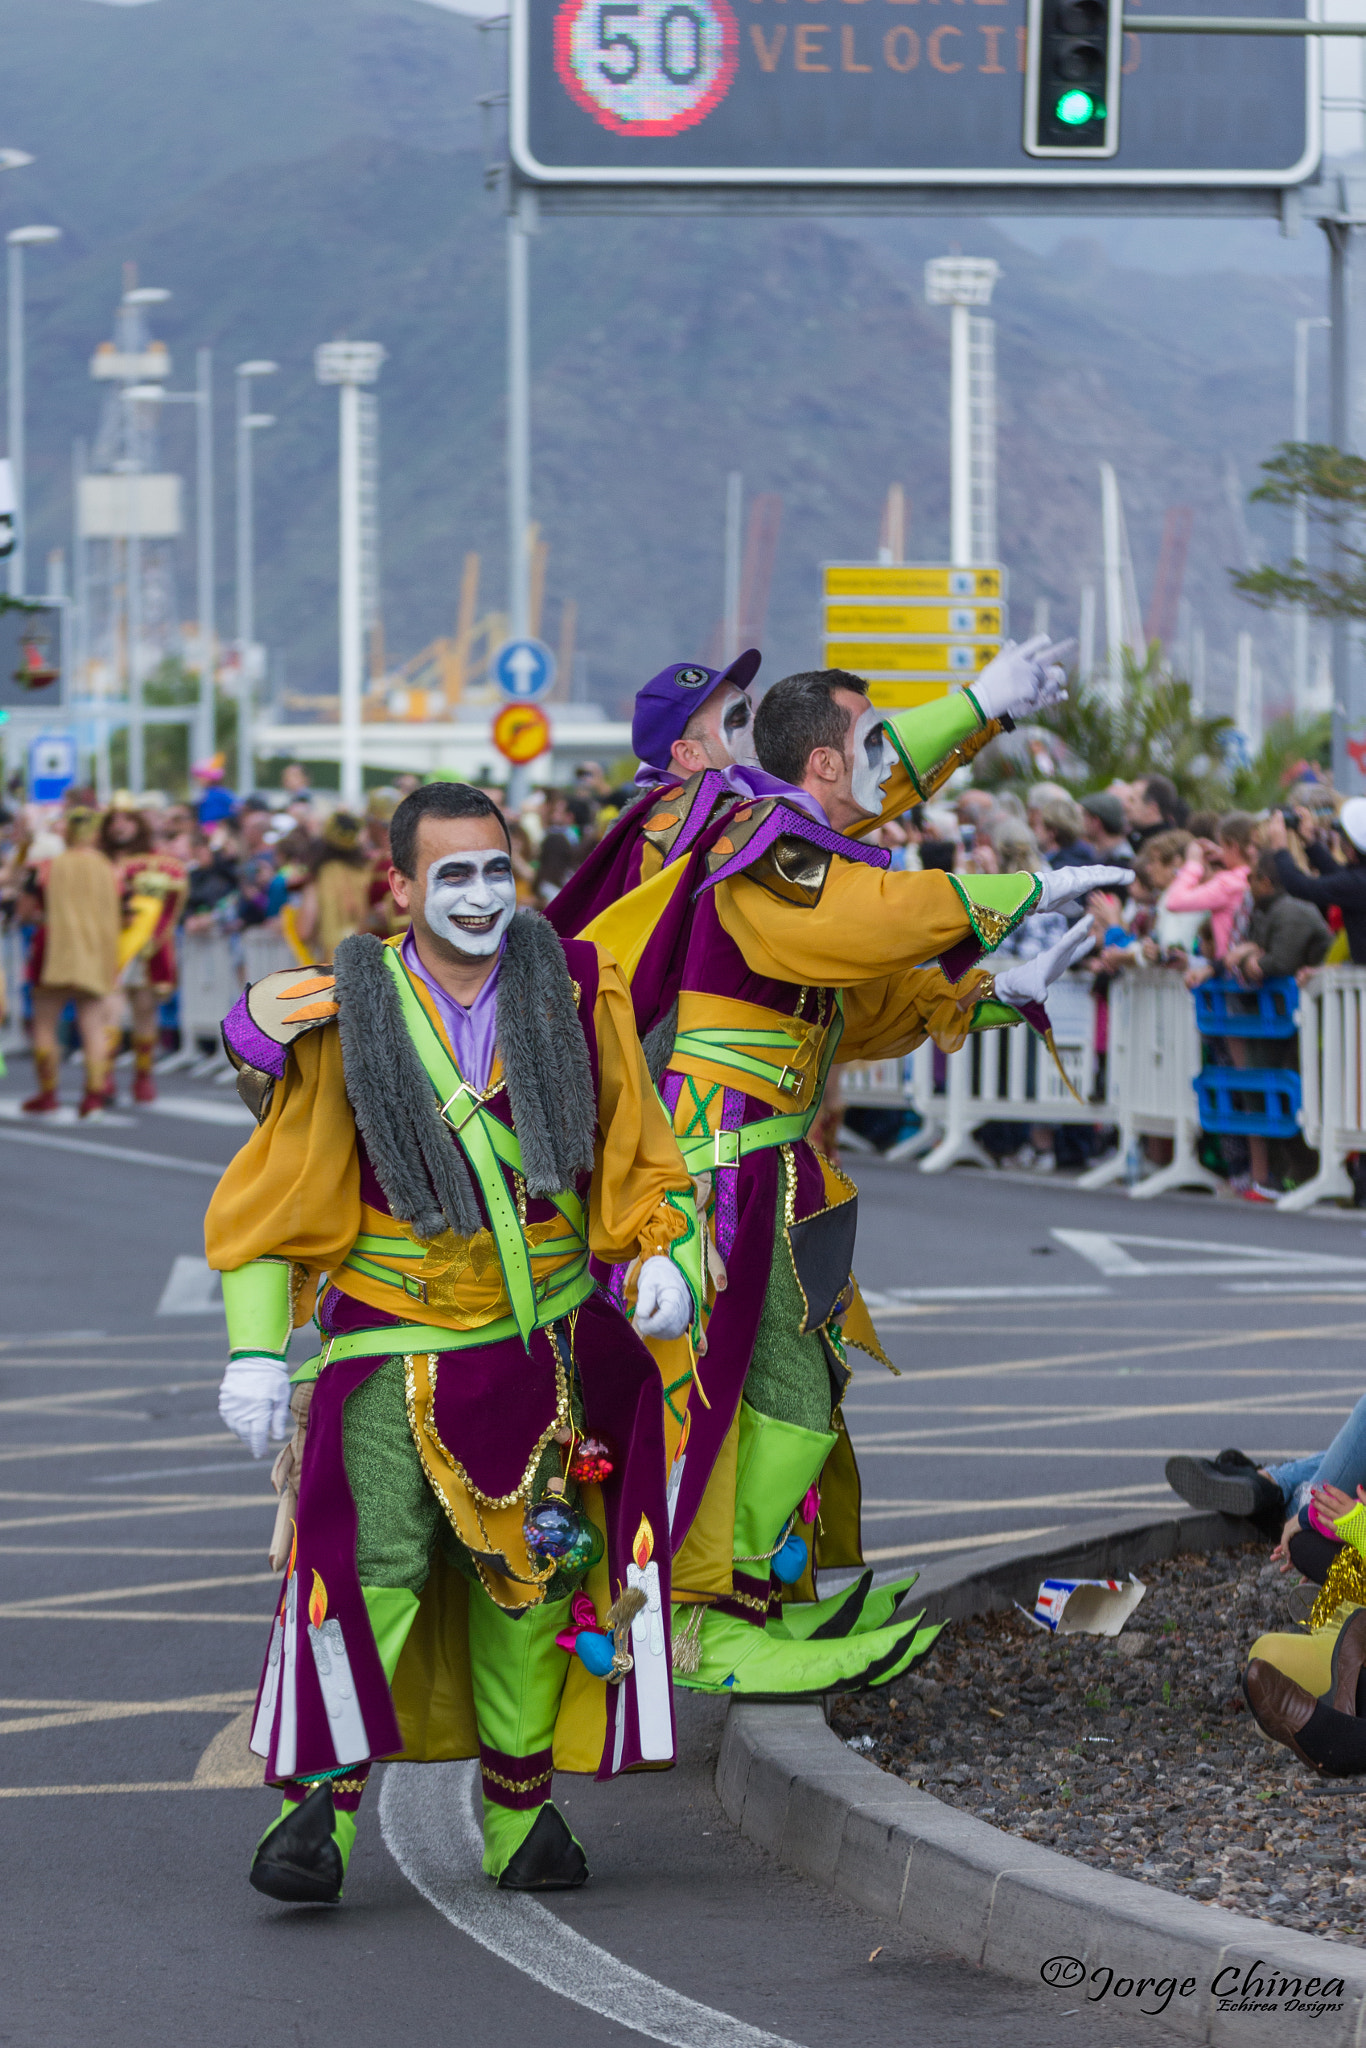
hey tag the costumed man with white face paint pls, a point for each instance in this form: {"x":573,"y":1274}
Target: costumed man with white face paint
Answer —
{"x":776,"y":944}
{"x":474,"y":1521}
{"x":693,"y":733}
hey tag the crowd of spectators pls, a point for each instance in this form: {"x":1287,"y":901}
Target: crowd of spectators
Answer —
{"x":1251,"y":899}
{"x":291,"y":861}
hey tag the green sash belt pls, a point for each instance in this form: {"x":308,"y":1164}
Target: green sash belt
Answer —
{"x":717,"y":1047}
{"x":405,"y":1338}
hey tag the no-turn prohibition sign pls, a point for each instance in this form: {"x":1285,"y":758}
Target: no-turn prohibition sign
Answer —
{"x":521,"y":732}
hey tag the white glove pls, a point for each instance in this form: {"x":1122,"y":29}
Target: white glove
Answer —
{"x":1021,"y":679}
{"x":1028,"y":981}
{"x":1065,"y":885}
{"x":254,"y":1401}
{"x":663,"y":1303}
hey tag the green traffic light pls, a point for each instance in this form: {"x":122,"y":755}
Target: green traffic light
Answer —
{"x":1075,"y":109}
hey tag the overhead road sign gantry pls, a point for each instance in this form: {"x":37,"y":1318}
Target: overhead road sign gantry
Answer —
{"x":624,"y":98}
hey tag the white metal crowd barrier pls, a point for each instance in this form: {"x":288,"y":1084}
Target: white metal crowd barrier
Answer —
{"x":1332,"y":1079}
{"x":1153,"y":1058}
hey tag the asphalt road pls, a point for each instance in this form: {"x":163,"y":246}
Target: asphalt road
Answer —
{"x":135,"y":1594}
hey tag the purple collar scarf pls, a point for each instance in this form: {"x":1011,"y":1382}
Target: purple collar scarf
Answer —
{"x":473,"y":1032}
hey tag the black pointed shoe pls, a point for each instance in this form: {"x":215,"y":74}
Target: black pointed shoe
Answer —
{"x":297,"y":1860}
{"x":549,"y":1860}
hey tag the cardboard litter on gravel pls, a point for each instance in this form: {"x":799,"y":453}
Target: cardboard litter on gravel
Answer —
{"x":1136,"y":1754}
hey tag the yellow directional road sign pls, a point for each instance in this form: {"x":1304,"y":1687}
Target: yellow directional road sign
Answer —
{"x":963,"y":659}
{"x":908,"y":692}
{"x":920,"y":620}
{"x":909,"y":579}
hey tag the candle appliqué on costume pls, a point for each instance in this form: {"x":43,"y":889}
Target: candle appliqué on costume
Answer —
{"x":333,"y":1666}
{"x":651,"y":1673}
{"x":676,"y":1469}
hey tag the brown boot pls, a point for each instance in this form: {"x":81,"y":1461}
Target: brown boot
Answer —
{"x":1282,"y":1708}
{"x":1349,"y":1654}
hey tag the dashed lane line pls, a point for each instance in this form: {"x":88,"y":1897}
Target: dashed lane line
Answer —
{"x":427,"y":1820}
{"x":120,"y":1154}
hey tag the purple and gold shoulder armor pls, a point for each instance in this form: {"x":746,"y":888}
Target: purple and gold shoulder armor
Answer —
{"x":784,"y":850}
{"x":265,"y":1021}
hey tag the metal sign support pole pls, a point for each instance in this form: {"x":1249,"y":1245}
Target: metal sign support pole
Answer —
{"x":521,"y":224}
{"x":1349,"y":693}
{"x":352,"y":634}
{"x":960,"y":435}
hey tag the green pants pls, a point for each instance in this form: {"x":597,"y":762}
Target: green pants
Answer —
{"x":517,"y":1671}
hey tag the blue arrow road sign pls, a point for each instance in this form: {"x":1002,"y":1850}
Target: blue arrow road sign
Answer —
{"x":524,"y":670}
{"x":51,"y":767}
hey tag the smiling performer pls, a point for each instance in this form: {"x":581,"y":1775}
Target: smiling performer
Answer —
{"x":779,"y":941}
{"x":693,"y":731}
{"x":448,"y":1122}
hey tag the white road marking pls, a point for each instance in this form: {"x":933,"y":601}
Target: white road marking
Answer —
{"x":427,"y":1820}
{"x":169,"y":1472}
{"x":192,"y":1289}
{"x":65,"y":1114}
{"x":1339,"y":1287}
{"x":1105,"y":1250}
{"x":124,"y":1153}
{"x":219,"y":1441}
{"x":52,"y":1601}
{"x":899,"y":1294}
{"x":914,"y":1550}
{"x":39,"y":1714}
{"x":192,"y":1110}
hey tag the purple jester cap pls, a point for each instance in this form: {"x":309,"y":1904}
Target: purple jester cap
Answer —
{"x":666,"y":703}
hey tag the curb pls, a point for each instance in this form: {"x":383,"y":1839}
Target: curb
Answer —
{"x":963,"y":1888}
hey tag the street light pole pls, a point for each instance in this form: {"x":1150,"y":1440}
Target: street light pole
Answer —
{"x":248,"y":423}
{"x":204,"y":605}
{"x":18,"y":240}
{"x":1300,"y":541}
{"x":349,"y":364}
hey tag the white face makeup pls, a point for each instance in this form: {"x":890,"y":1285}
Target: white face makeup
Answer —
{"x":737,"y":730}
{"x":470,"y":899}
{"x":873,"y":759}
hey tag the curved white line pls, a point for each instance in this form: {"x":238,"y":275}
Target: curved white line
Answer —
{"x":426,"y":1815}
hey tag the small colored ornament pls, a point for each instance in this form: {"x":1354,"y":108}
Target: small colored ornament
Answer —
{"x":593,"y":1461}
{"x":790,"y":1561}
{"x":587,"y":1547}
{"x":811,"y":1506}
{"x":594,"y":1651}
{"x":551,"y":1529}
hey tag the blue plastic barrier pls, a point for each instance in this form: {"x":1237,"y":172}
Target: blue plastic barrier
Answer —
{"x":1249,"y":1102}
{"x":1225,"y":1009}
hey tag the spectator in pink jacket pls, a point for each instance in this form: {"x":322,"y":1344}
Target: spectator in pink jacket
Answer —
{"x":1213,"y":878}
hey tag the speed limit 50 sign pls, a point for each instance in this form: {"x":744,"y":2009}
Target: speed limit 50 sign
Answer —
{"x":652,"y":67}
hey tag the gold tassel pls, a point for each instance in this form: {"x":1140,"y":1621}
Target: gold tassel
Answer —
{"x":687,"y":1643}
{"x":1066,"y":1080}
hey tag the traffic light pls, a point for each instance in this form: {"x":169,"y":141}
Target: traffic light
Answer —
{"x":1073,"y":51}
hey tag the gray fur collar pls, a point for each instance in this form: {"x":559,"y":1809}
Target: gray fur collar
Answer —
{"x":545,"y":1063}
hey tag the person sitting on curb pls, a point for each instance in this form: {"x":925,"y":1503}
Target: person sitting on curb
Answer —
{"x":1276,"y":1495}
{"x":1307,"y":1690}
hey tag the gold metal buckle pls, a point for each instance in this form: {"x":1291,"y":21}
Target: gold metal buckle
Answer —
{"x":729,"y":1141}
{"x":417,"y":1288}
{"x":790,"y":1081}
{"x":472,"y":1100}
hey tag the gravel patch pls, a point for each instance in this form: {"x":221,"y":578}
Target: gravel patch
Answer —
{"x":1136,"y":1754}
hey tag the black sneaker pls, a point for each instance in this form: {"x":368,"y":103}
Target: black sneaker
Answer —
{"x":1206,"y":1484}
{"x":297,"y":1860}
